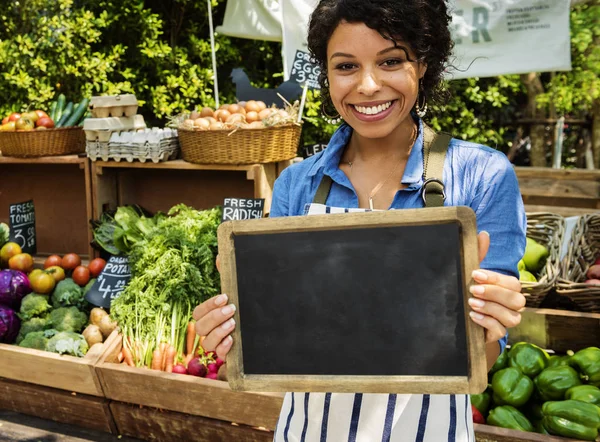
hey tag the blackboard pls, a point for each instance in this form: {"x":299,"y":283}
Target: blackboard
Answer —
{"x":110,"y":283}
{"x":312,"y":149}
{"x":364,"y":302}
{"x":305,"y":71}
{"x":21,"y":218}
{"x":235,"y":209}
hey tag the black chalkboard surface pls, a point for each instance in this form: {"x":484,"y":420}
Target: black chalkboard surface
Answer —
{"x":22,"y":226}
{"x":110,"y":283}
{"x":366,"y":302}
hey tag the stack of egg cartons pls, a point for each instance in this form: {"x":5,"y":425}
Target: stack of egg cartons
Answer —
{"x":117,"y":132}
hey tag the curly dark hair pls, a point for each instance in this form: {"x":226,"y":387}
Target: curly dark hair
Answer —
{"x":422,"y":24}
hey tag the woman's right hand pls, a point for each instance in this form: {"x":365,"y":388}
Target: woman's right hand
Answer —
{"x":214,"y":321}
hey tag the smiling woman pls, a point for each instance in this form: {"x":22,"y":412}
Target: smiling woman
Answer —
{"x":381,"y":63}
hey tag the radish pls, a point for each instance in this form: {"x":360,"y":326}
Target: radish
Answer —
{"x":211,"y":376}
{"x":212,"y":367}
{"x":180,"y":369}
{"x":219,"y":362}
{"x":197,"y":368}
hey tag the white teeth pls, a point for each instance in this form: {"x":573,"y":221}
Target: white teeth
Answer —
{"x":374,"y":109}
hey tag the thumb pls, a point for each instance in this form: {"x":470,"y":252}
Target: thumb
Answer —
{"x":483,"y":243}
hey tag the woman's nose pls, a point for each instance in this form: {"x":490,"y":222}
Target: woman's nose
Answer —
{"x":369,"y":84}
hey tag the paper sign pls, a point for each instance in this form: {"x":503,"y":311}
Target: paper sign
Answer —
{"x":22,"y":226}
{"x":111,"y":282}
{"x":235,"y":209}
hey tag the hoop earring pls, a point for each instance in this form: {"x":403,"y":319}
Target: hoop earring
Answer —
{"x":421,"y":109}
{"x":329,"y":119}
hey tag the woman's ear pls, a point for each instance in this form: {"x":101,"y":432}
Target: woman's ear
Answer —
{"x":422,"y":70}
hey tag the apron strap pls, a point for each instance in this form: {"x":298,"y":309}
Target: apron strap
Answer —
{"x":434,"y":155}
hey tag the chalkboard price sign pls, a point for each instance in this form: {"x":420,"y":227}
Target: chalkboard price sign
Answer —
{"x":110,"y":283}
{"x":312,"y":149}
{"x":235,"y":209}
{"x":22,"y":226}
{"x":305,"y":71}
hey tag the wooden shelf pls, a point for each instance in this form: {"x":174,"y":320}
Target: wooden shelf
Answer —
{"x":65,"y":159}
{"x":175,"y":164}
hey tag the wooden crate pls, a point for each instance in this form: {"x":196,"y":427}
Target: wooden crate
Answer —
{"x":60,"y":372}
{"x":61,"y":191}
{"x":57,"y":405}
{"x":185,"y":394}
{"x":487,"y":433}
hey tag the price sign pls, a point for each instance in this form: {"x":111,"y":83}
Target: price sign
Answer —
{"x":312,"y":149}
{"x":22,"y":226}
{"x":110,"y":283}
{"x":305,"y":71}
{"x":242,"y":208}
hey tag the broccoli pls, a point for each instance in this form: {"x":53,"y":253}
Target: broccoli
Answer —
{"x":4,"y":234}
{"x":33,"y":325}
{"x":33,"y":306}
{"x":68,"y":319}
{"x":67,"y":293}
{"x":36,"y":339}
{"x":69,"y":343}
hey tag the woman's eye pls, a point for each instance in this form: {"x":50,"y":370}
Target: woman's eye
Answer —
{"x":393,"y":62}
{"x":344,"y":66}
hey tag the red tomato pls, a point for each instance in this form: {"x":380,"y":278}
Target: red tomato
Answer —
{"x":477,"y":416}
{"x":70,"y":261}
{"x":81,"y":275}
{"x":4,"y":120}
{"x":96,"y":266}
{"x":14,"y":116}
{"x":45,"y":122}
{"x":41,"y":113}
{"x":53,"y":260}
{"x":22,"y":262}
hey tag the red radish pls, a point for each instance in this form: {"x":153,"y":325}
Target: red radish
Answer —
{"x":197,"y":368}
{"x":212,"y":367}
{"x":211,"y":376}
{"x":594,"y":272}
{"x":219,"y":362}
{"x":180,"y":369}
{"x":593,"y":281}
{"x":477,"y":416}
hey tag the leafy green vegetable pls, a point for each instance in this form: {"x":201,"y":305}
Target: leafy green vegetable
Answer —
{"x":32,"y":325}
{"x":37,"y":340}
{"x":68,"y":319}
{"x":4,"y":234}
{"x":69,"y":343}
{"x":33,"y":306}
{"x":67,"y":293}
{"x":173,"y":270}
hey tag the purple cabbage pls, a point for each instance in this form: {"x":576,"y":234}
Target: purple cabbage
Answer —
{"x":10,"y":325}
{"x":14,"y":285}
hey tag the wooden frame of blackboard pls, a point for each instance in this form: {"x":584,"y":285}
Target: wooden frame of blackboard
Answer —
{"x":474,"y":381}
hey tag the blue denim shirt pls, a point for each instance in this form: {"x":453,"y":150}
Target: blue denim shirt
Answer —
{"x":474,"y":175}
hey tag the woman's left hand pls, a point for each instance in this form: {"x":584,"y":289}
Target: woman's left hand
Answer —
{"x":497,"y":298}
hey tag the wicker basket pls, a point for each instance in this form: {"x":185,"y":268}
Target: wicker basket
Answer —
{"x":41,"y":143}
{"x":584,"y":248}
{"x":547,"y":229}
{"x":243,"y":146}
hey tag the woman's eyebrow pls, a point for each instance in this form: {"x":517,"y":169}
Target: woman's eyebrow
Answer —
{"x":341,"y":54}
{"x":382,"y":52}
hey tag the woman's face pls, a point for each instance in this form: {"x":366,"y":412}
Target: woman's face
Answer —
{"x":372,"y":83}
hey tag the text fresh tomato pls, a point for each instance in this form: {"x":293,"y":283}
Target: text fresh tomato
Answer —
{"x":70,"y":261}
{"x":96,"y":266}
{"x":42,"y":283}
{"x":81,"y":275}
{"x":53,"y":260}
{"x":56,"y":272}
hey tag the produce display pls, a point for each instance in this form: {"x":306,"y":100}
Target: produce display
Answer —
{"x":532,"y":391}
{"x":533,"y":261}
{"x":593,"y":273}
{"x":61,"y":114}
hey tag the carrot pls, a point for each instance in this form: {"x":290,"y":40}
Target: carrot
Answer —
{"x":157,"y":357}
{"x":128,"y":357}
{"x":163,"y":350}
{"x":187,"y":359}
{"x":190,"y":338}
{"x":120,"y":356}
{"x":171,"y":353}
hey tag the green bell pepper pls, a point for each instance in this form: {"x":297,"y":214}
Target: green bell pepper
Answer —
{"x":528,"y":358}
{"x":539,"y":427}
{"x":569,"y":418}
{"x":506,"y":416}
{"x":557,"y":361}
{"x":500,"y":363}
{"x":552,"y":383}
{"x":482,"y":402}
{"x":584,"y":393}
{"x":587,"y":362}
{"x":511,"y":387}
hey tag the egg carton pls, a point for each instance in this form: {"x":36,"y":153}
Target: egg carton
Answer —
{"x":103,"y":128}
{"x":114,"y":106}
{"x":150,"y":144}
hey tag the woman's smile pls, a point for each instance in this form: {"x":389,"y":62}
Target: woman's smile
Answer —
{"x":373,"y":111}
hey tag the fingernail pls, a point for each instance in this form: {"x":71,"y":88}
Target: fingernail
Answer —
{"x":229,"y":324}
{"x":486,"y":232}
{"x":221,"y":299}
{"x":477,"y":289}
{"x":228,"y":310}
{"x":227,"y":341}
{"x":476,"y":303}
{"x":478,"y":274}
{"x":476,"y":316}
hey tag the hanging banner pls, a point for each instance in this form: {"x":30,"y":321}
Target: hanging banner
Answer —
{"x":252,"y":19}
{"x":492,"y":37}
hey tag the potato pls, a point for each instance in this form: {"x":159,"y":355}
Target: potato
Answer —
{"x":107,"y":325}
{"x":93,"y":335}
{"x":96,"y":315}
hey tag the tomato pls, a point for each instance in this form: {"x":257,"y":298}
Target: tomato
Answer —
{"x":96,"y":266}
{"x":14,"y":116}
{"x":41,"y":113}
{"x":22,"y":262}
{"x":24,"y":124}
{"x":70,"y":261}
{"x":9,"y":250}
{"x":58,"y":273}
{"x":42,"y":283}
{"x":34,"y":273}
{"x":45,"y":122}
{"x":4,"y":120}
{"x":53,"y":260}
{"x":81,"y":275}
{"x":30,"y":116}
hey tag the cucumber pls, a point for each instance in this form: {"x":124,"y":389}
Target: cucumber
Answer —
{"x":77,"y":113}
{"x":60,"y":107}
{"x":53,"y":110}
{"x":65,"y":115}
{"x":88,"y":114}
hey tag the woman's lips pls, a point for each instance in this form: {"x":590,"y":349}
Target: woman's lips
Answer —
{"x":374,"y":117}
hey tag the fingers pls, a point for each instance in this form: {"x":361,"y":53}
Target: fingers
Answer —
{"x":506,"y":317}
{"x":223,"y":348}
{"x":504,"y":297}
{"x":494,"y":330}
{"x":492,"y":278}
{"x":483,"y":244}
{"x":209,"y":305}
{"x":214,"y":321}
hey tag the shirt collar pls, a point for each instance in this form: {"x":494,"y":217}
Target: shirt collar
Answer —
{"x":330,"y":159}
